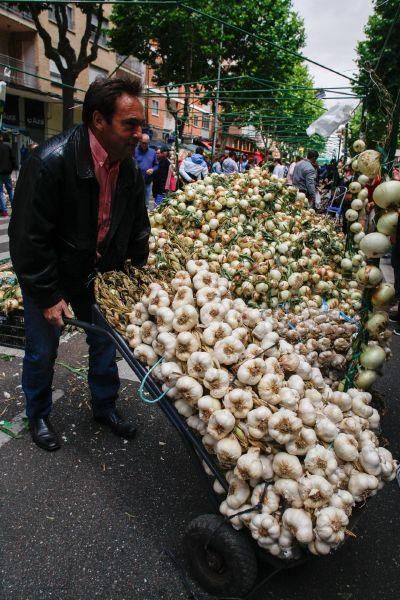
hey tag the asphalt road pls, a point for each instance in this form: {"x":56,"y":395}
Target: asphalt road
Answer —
{"x":94,"y":519}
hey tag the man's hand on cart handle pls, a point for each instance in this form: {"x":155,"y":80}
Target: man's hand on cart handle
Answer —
{"x":55,"y":313}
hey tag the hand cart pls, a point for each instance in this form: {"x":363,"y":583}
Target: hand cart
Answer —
{"x":224,"y":561}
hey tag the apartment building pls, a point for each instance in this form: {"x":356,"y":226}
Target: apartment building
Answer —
{"x":33,"y":109}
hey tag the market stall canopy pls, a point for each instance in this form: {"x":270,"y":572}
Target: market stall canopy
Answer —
{"x":331,"y":120}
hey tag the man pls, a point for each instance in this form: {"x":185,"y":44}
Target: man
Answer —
{"x":146,"y":159}
{"x":7,"y":164}
{"x":229,"y":165}
{"x":304,"y":175}
{"x":194,"y":167}
{"x":243,"y":163}
{"x":279,"y":169}
{"x":291,"y":170}
{"x":78,"y":208}
{"x":161,"y":175}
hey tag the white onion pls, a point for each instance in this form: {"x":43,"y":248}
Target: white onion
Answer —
{"x":363,"y":179}
{"x":383,"y":294}
{"x":369,"y":163}
{"x":373,"y":357}
{"x":387,"y":194}
{"x":359,"y":146}
{"x":387,"y":223}
{"x":355,"y":187}
{"x":374,"y":245}
{"x":351,"y":215}
{"x":365,"y":379}
{"x":369,"y":276}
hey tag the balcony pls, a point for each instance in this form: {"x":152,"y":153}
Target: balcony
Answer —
{"x":132,"y":64}
{"x":25,"y":79}
{"x":14,"y":20}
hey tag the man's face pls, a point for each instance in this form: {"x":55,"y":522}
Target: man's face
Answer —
{"x":144,"y":142}
{"x":120,"y":137}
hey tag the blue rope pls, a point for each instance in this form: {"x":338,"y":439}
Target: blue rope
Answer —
{"x":141,"y":388}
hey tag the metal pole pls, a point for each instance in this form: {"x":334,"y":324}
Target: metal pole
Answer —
{"x":216,"y":104}
{"x":346,"y":137}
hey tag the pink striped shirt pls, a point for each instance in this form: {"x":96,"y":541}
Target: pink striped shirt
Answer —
{"x":107,"y":176}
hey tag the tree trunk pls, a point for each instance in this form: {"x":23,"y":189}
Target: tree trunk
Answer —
{"x":394,"y":134}
{"x":68,"y":102}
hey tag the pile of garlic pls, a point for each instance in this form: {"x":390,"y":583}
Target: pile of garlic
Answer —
{"x":298,"y":454}
{"x":261,"y":235}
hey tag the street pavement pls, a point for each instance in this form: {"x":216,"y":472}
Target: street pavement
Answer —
{"x":95,"y":519}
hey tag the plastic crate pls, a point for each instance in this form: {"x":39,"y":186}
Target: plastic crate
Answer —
{"x":12,"y":329}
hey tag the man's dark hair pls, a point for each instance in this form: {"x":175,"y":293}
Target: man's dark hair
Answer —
{"x":199,"y":150}
{"x":298,"y":158}
{"x":102,"y":94}
{"x":232,"y":154}
{"x":312,"y":154}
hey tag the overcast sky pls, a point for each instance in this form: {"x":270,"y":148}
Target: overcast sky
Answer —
{"x":333,"y":28}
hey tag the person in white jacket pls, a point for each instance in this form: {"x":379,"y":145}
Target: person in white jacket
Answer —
{"x":194,"y":167}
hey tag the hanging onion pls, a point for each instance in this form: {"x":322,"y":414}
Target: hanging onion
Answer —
{"x":373,"y":357}
{"x":359,"y":146}
{"x":387,"y":194}
{"x":387,"y":223}
{"x":374,"y":245}
{"x":369,"y":163}
{"x":383,"y":294}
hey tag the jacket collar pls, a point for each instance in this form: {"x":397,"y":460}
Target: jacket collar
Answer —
{"x":83,"y":154}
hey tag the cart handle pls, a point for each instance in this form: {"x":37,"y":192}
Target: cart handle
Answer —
{"x":97,"y":329}
{"x":86,"y":326}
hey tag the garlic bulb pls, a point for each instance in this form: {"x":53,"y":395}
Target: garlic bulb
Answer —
{"x":249,"y":465}
{"x":331,"y":524}
{"x":189,"y":389}
{"x":221,"y":423}
{"x":265,"y":529}
{"x":320,"y":461}
{"x":304,"y":441}
{"x":211,"y":312}
{"x":215,"y":332}
{"x":170,"y":373}
{"x":251,"y":371}
{"x":239,"y":401}
{"x":267,"y":496}
{"x":238,"y":494}
{"x":228,"y":350}
{"x":362,"y":485}
{"x":184,"y":295}
{"x":207,"y":405}
{"x":342,"y":499}
{"x":186,"y":344}
{"x":287,"y":466}
{"x":186,"y":318}
{"x":346,"y":447}
{"x":269,"y":387}
{"x":283,"y":426}
{"x":145,"y":354}
{"x":217,"y":381}
{"x":289,"y":490}
{"x":164,"y":345}
{"x":198,"y":363}
{"x":164,"y":319}
{"x":315,"y":491}
{"x":228,"y":450}
{"x":257,"y":422}
{"x":299,"y":523}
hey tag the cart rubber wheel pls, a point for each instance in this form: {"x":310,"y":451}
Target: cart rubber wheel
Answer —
{"x":221,"y":559}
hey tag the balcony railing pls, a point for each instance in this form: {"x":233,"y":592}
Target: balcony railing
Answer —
{"x":24,"y":14}
{"x":25,"y":75}
{"x":131,"y":64}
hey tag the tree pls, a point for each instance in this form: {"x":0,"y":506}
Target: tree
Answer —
{"x":183,"y":46}
{"x":69,"y":63}
{"x":379,"y":76}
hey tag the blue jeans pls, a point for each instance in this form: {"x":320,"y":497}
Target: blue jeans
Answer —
{"x":148,"y":192}
{"x":5,"y":180}
{"x":41,"y":347}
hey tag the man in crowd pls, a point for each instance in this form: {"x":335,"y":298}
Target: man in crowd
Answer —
{"x":305,"y":174}
{"x":194,"y":167}
{"x":7,"y":164}
{"x":291,"y":169}
{"x":78,"y":208}
{"x":161,"y":175}
{"x":279,"y":169}
{"x":243,"y":164}
{"x":229,"y":165}
{"x":146,"y":159}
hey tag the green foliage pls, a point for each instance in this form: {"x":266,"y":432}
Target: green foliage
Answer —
{"x":184,"y":46}
{"x":379,"y":70}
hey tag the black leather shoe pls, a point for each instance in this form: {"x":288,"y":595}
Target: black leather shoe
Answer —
{"x":117,"y":424}
{"x":43,"y":434}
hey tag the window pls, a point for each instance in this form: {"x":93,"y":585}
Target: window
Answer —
{"x":55,"y":75}
{"x":70,"y":15}
{"x":155,"y":108}
{"x":95,"y":72}
{"x":103,"y":34}
{"x":196,"y":121}
{"x":206,"y":122}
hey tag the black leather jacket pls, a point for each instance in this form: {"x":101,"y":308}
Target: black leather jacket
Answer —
{"x":53,"y":228}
